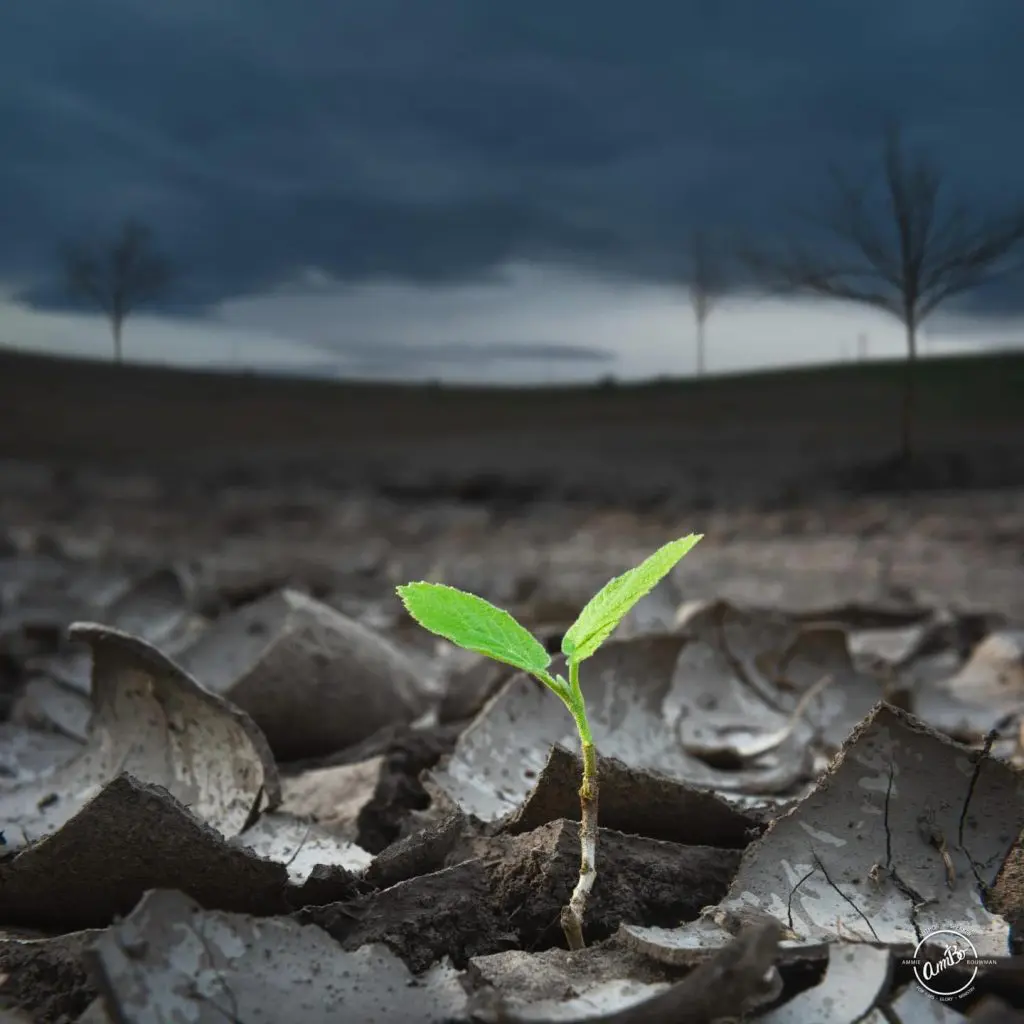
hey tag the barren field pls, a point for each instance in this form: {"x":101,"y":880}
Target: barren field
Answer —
{"x":751,"y":438}
{"x":248,"y":787}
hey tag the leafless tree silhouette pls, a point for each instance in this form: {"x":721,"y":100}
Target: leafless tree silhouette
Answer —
{"x":705,"y":287}
{"x":907,"y":258}
{"x":119,"y":276}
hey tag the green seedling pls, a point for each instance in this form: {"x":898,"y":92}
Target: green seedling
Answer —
{"x":477,"y":625}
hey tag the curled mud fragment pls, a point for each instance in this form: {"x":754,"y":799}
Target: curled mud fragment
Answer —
{"x":314,"y":680}
{"x":692,"y":943}
{"x":154,"y":608}
{"x":556,"y":985}
{"x":753,"y":675}
{"x":745,"y":634}
{"x":47,"y":704}
{"x":43,"y":591}
{"x":26,"y":754}
{"x":634,"y":801}
{"x":986,"y":689}
{"x":856,"y":979}
{"x":821,"y":653}
{"x":895,"y":842}
{"x":333,"y":797}
{"x":127,"y":839}
{"x":731,"y":984}
{"x":301,"y":847}
{"x":132,"y":837}
{"x":156,"y":723}
{"x":373,"y":792}
{"x":172,"y":960}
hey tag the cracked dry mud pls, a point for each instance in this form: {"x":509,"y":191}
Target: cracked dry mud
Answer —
{"x":245,"y":788}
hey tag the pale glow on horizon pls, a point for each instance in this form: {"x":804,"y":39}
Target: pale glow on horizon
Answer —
{"x":469,"y":333}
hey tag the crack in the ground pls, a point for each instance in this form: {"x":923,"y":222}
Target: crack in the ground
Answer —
{"x":980,"y":758}
{"x":848,"y":899}
{"x":230,"y":1014}
{"x":885,"y":817}
{"x":792,"y":893}
{"x":912,"y":897}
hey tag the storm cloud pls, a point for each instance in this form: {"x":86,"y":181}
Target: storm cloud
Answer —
{"x":407,"y":140}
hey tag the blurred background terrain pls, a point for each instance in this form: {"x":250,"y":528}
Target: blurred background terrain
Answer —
{"x":696,"y":267}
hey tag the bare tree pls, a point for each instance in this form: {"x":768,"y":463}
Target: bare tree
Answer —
{"x":705,"y":288}
{"x":120,"y":276}
{"x":907,"y":259}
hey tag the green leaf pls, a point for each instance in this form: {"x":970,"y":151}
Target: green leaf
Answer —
{"x":475,"y":624}
{"x":606,"y":609}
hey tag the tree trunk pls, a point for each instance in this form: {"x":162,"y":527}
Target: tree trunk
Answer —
{"x":700,"y":346}
{"x":909,"y":388}
{"x":116,"y":330}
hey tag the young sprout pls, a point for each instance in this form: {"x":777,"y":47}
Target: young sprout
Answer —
{"x":477,"y":625}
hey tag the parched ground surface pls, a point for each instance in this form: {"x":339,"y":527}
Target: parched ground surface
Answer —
{"x":253,"y":532}
{"x":789,"y":474}
{"x":961,"y":550}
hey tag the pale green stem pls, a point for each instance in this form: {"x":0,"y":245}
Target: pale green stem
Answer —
{"x":573,"y":912}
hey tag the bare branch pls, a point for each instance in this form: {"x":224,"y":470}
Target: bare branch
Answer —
{"x":119,"y":278}
{"x":906,"y":257}
{"x":800,"y":272}
{"x":926,"y":259}
{"x":848,"y":221}
{"x":982,"y":256}
{"x":83,"y":276}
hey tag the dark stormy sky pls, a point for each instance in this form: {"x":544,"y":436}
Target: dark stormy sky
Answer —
{"x":426,"y":186}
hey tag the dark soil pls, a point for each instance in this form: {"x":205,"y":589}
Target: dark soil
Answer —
{"x":509,"y":895}
{"x":47,"y":979}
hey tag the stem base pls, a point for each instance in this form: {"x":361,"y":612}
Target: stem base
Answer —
{"x":572,"y":914}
